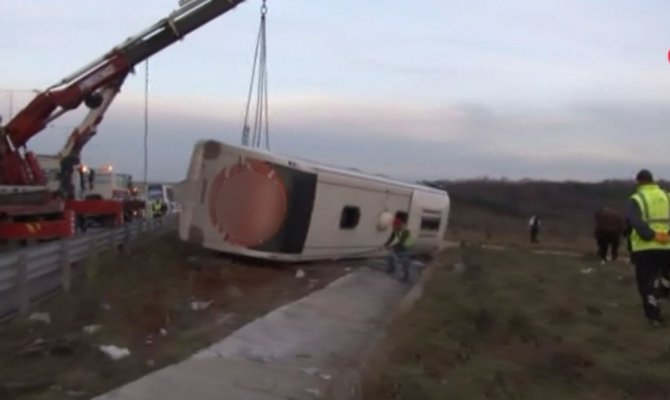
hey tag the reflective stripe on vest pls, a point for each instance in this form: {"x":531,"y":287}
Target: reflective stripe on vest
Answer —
{"x":654,"y":205}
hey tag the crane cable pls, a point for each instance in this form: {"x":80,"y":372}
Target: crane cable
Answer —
{"x":261,"y":127}
{"x":146,"y":133}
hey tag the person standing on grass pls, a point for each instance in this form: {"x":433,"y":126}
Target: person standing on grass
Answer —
{"x":609,"y":228}
{"x":649,"y":217}
{"x":400,"y":243}
{"x":534,"y":226}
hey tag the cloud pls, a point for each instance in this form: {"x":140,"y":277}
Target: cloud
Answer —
{"x":561,"y":89}
{"x":574,"y":141}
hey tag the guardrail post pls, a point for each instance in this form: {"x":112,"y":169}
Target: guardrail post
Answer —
{"x":23,"y":296}
{"x":125,"y":246}
{"x":112,"y":239}
{"x":93,"y":246}
{"x":92,"y":258}
{"x":66,"y":265}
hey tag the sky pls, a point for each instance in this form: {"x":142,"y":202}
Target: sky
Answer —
{"x":422,"y":89}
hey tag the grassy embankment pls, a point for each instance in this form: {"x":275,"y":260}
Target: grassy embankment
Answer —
{"x":514,"y":324}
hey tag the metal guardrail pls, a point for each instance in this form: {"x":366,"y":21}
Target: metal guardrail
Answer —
{"x":32,"y":272}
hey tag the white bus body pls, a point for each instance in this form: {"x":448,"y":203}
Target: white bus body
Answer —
{"x":254,"y":203}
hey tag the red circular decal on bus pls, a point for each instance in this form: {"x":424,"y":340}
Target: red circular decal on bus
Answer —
{"x":247,"y":203}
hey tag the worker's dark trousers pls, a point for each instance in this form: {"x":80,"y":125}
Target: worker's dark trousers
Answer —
{"x":534,"y":231}
{"x":650,"y":267}
{"x":607,"y":241}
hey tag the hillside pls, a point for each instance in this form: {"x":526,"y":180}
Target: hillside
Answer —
{"x":499,"y":210}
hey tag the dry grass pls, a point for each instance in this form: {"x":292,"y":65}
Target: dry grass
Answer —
{"x":518,"y":325}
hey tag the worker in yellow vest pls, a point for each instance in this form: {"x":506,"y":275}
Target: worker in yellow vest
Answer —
{"x":649,"y":217}
{"x":400,"y":243}
{"x":156,"y":208}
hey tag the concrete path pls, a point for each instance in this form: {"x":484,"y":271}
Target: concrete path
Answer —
{"x":308,"y":349}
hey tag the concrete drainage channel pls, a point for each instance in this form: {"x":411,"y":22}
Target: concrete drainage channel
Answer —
{"x":312,"y":348}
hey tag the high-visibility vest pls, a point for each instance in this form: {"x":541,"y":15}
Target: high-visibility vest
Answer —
{"x":654,"y":205}
{"x":409,"y":240}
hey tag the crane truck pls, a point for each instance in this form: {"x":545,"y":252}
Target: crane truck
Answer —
{"x":103,"y":183}
{"x":29,"y":209}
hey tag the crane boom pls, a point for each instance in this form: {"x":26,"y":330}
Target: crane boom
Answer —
{"x":83,"y":86}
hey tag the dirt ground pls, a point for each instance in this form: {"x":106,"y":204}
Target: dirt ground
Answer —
{"x":512,"y":324}
{"x":143,"y":303}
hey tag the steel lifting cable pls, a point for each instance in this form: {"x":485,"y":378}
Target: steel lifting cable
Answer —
{"x":146,"y":130}
{"x":259,"y":81}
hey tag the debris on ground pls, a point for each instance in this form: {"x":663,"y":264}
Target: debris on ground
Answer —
{"x":234,"y":292}
{"x":316,"y":372}
{"x":20,"y":387}
{"x":114,"y":352}
{"x":106,"y":307}
{"x":300,"y":273}
{"x":313,"y":391}
{"x":224,"y":318}
{"x":40,"y":317}
{"x":192,"y":259}
{"x":260,"y":358}
{"x":163,"y":332}
{"x":91,"y":329}
{"x":587,"y":271}
{"x":593,"y":310}
{"x":57,"y":347}
{"x":310,"y":371}
{"x":201,"y":305}
{"x":75,"y":393}
{"x":459,"y":267}
{"x":36,"y":344}
{"x":493,"y":247}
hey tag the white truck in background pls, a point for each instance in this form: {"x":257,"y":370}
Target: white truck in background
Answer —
{"x":102,"y":183}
